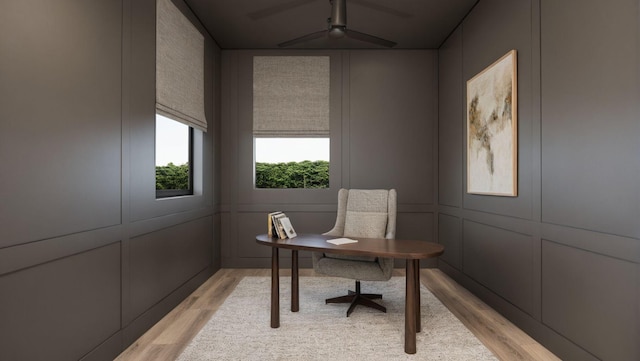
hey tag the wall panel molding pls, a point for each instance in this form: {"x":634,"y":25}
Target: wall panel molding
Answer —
{"x":501,"y":260}
{"x":139,"y":228}
{"x":161,"y":261}
{"x":623,"y":248}
{"x":76,"y":297}
{"x":49,"y":96}
{"x":582,"y":289}
{"x":31,"y":254}
{"x":450,"y":236}
{"x":544,"y":334}
{"x":590,"y":127}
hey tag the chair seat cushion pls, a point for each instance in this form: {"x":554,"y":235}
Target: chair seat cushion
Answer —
{"x":351,"y":258}
{"x":352,"y":269}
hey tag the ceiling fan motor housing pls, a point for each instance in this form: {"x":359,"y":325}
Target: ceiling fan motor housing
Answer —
{"x":336,"y":32}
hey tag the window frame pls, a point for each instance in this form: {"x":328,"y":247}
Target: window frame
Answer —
{"x":169,"y":193}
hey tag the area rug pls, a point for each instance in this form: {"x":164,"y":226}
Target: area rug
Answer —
{"x":240,"y":329}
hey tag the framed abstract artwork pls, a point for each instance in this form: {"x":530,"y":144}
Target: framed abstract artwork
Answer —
{"x":492,"y":129}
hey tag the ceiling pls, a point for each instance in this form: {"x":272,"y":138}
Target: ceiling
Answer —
{"x":263,"y":24}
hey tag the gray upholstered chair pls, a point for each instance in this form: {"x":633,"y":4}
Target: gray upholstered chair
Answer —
{"x":365,"y":213}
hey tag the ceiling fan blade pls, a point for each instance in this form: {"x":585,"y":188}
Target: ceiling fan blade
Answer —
{"x":273,"y":10}
{"x":369,"y":38}
{"x":338,"y":29}
{"x":312,"y":36}
{"x":382,"y":8}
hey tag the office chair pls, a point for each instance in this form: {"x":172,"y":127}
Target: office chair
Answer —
{"x":366,"y":214}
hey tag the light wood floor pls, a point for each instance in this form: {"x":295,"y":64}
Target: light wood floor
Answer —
{"x":167,"y":339}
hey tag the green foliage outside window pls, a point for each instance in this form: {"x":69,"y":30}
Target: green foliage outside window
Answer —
{"x":305,"y":174}
{"x":172,"y":176}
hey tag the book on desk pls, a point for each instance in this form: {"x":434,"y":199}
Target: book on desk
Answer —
{"x":279,"y":226}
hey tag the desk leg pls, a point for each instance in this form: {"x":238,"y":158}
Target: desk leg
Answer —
{"x":416,"y":267}
{"x":410,"y":309}
{"x":275,"y":289}
{"x":295,"y":300}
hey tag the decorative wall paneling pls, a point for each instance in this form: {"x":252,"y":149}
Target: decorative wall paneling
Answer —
{"x":89,"y":260}
{"x":561,"y":259}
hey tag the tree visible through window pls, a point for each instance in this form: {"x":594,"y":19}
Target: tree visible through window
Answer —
{"x":292,"y":162}
{"x":173,"y":158}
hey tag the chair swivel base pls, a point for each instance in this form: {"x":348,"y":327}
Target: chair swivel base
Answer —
{"x":357,"y":298}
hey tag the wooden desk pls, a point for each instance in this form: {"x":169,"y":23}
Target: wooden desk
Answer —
{"x":410,"y":250}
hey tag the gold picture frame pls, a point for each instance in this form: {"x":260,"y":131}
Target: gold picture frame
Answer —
{"x":492,"y":129}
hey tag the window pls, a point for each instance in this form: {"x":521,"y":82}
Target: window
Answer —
{"x":174,"y":158}
{"x":291,"y":162}
{"x":180,"y":117}
{"x":291,"y":121}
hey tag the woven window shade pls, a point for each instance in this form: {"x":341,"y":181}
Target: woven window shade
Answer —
{"x":291,"y":96}
{"x":179,"y":67}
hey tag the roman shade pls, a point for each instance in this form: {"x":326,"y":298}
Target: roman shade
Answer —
{"x":179,"y":67}
{"x":291,"y":96}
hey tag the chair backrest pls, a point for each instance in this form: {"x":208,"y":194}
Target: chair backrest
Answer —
{"x":367,"y":213}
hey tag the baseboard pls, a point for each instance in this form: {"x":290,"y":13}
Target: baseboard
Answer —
{"x":146,"y":320}
{"x":108,"y":350}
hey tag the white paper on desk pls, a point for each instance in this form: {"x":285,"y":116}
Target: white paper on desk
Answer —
{"x":339,"y":241}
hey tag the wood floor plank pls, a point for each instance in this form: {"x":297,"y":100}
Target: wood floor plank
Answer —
{"x":168,"y":338}
{"x":501,"y":336}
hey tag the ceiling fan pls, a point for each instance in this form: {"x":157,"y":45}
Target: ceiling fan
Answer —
{"x":338,"y":29}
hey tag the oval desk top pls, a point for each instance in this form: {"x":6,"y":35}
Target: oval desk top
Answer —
{"x":391,"y":248}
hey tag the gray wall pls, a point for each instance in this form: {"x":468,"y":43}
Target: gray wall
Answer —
{"x":561,"y":259}
{"x":88,"y":258}
{"x":383,"y":119}
{"x":87,"y":253}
